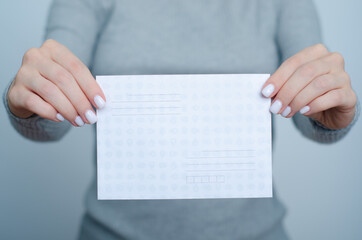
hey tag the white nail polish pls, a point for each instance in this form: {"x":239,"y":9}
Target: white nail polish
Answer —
{"x":286,"y":111}
{"x":275,"y":107}
{"x":91,"y":117}
{"x":99,"y":101}
{"x":268,"y":90}
{"x":79,"y":121}
{"x":304,"y":110}
{"x":60,"y":117}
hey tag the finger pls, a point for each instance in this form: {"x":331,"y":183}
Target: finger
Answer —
{"x":80,"y":72}
{"x":300,"y":79}
{"x":283,"y":73}
{"x":67,"y":84}
{"x":313,"y":90}
{"x":37,"y":105}
{"x":328,"y":100}
{"x":52,"y":95}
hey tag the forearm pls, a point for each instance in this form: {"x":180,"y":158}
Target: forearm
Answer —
{"x":35,"y":127}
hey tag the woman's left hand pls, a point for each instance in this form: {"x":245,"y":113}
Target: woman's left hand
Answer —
{"x":314,"y":83}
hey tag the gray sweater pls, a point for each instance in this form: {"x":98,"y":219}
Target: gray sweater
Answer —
{"x":171,"y":37}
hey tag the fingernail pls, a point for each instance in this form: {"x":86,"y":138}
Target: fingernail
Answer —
{"x":99,"y":101}
{"x":60,"y":117}
{"x":286,"y":111}
{"x":304,"y":110}
{"x":268,"y":90}
{"x":275,"y":107}
{"x":91,"y":117}
{"x":79,"y":121}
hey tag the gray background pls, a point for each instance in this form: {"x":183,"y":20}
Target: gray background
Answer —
{"x":42,"y":184}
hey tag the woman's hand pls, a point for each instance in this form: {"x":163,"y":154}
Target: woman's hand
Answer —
{"x":54,"y":84}
{"x":314,"y":83}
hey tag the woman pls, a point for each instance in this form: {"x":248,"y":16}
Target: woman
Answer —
{"x":54,"y":83}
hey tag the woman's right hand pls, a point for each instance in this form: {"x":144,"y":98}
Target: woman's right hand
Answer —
{"x":54,"y":84}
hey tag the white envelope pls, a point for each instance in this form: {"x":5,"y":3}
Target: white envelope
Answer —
{"x":184,"y":137}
